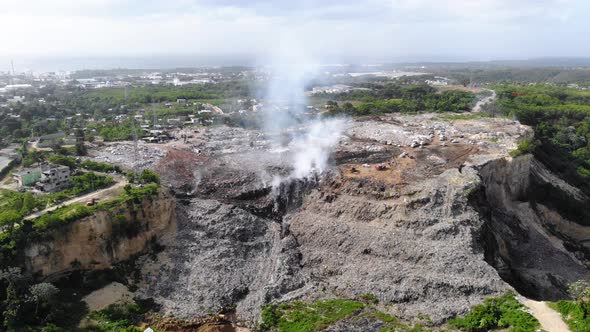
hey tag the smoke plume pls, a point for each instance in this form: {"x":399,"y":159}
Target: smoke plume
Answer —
{"x":291,"y":69}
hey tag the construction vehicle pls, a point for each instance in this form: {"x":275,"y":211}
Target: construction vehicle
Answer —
{"x":91,"y":202}
{"x":380,"y":167}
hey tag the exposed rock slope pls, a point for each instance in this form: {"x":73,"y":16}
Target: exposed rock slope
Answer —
{"x":92,"y":242}
{"x":537,"y":229}
{"x":419,"y":232}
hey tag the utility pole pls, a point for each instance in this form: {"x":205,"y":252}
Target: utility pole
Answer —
{"x":155,"y":115}
{"x":12,"y":77}
{"x":135,"y":149}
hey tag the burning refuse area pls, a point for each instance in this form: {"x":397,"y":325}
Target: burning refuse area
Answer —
{"x":321,"y":208}
{"x":247,"y":165}
{"x":258,"y":213}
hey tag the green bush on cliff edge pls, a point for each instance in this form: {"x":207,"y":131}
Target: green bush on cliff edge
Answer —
{"x":497,"y":312}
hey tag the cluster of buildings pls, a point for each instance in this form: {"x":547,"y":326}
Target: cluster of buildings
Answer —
{"x":8,"y":157}
{"x":148,"y":78}
{"x":45,"y":178}
{"x":332,"y":89}
{"x":438,"y":80}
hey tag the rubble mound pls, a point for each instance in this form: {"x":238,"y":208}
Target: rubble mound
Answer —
{"x":394,"y":217}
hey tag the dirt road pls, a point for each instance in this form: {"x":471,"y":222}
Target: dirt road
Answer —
{"x":103,"y":194}
{"x":479,"y":104}
{"x":550,"y":319}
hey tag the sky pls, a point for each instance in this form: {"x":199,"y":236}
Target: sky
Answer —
{"x":382,"y":29}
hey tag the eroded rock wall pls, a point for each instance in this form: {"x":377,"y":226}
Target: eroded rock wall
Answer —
{"x":416,"y":251}
{"x":536,"y":233}
{"x":93,"y":242}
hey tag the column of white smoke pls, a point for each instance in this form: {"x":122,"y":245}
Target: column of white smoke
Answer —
{"x":312,"y":151}
{"x":291,"y":68}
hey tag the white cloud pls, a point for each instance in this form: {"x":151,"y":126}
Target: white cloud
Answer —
{"x":473,"y":28}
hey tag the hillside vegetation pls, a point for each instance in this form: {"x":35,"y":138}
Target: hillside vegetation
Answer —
{"x":560,"y":118}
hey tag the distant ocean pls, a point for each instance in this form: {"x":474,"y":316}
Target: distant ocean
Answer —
{"x":164,"y":61}
{"x":65,"y":63}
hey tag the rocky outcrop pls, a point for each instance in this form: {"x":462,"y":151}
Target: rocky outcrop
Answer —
{"x":416,"y":251}
{"x":98,"y":242}
{"x":223,"y":258}
{"x":536,"y":232}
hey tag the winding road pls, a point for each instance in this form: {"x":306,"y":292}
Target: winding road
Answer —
{"x":550,"y":319}
{"x":102,"y":194}
{"x":483,"y":101}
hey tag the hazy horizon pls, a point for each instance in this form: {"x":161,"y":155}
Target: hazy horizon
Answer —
{"x":230,"y":31}
{"x":172,"y":61}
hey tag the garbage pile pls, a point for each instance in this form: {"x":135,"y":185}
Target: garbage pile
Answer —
{"x":127,"y":156}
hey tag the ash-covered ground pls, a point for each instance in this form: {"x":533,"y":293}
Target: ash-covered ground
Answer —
{"x":390,"y":217}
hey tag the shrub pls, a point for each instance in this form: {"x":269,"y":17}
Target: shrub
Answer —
{"x":118,"y":318}
{"x":369,"y":298}
{"x":52,"y":328}
{"x":301,"y":317}
{"x":497,"y":312}
{"x":100,"y":167}
{"x":59,"y":159}
{"x":527,"y":145}
{"x":574,"y":314}
{"x":149,"y":176}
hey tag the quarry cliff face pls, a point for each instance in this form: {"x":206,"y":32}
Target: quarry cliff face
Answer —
{"x":428,"y":215}
{"x":536,"y":231}
{"x":407,"y":232}
{"x":97,"y":242}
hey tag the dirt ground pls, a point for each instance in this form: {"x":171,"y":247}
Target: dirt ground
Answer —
{"x":415,"y":164}
{"x":112,"y":293}
{"x":459,"y":87}
{"x":99,"y":195}
{"x":550,"y":320}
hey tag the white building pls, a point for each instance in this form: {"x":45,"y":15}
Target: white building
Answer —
{"x":54,"y":178}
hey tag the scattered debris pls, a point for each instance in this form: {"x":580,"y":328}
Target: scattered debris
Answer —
{"x":380,"y":167}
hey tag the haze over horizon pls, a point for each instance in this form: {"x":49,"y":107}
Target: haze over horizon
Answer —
{"x":234,"y":30}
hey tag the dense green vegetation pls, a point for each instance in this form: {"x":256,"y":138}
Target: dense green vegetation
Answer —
{"x":17,"y":231}
{"x":74,"y":163}
{"x":65,"y":108}
{"x":560,"y":118}
{"x":44,"y":307}
{"x":146,"y":176}
{"x":393,"y":97}
{"x":100,"y":167}
{"x":308,"y":317}
{"x":113,"y":97}
{"x":18,"y":309}
{"x":515,"y":72}
{"x":19,"y":204}
{"x":499,"y":312}
{"x":125,"y":131}
{"x":576,"y":313}
{"x":29,"y":306}
{"x":76,"y":211}
{"x":117,"y":318}
{"x":301,"y":317}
